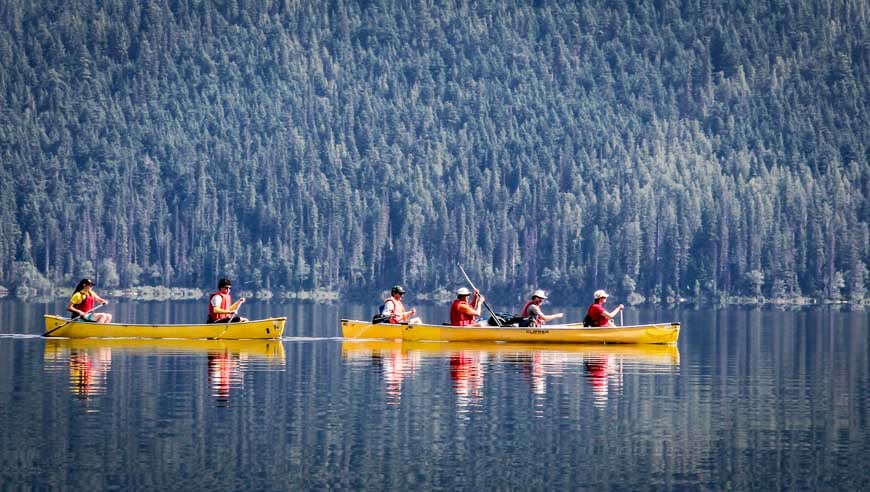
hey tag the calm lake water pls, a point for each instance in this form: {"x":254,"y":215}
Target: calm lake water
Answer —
{"x":749,"y":399}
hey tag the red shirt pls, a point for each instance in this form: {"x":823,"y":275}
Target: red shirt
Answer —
{"x":596,"y":314}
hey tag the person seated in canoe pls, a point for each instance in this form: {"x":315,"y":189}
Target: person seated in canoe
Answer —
{"x":596,"y":315}
{"x":463,"y":312}
{"x":83,"y":302}
{"x":532,"y":309}
{"x":394,"y":311}
{"x":221,"y":306}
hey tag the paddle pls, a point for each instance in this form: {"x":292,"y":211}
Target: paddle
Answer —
{"x":497,"y":321}
{"x":229,"y":320}
{"x":49,"y":332}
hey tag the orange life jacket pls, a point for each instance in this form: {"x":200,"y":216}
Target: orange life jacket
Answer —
{"x":226,"y":302}
{"x":458,"y":317}
{"x":398,"y":315}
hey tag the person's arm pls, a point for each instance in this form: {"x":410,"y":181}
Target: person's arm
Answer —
{"x":474,"y":311}
{"x":612,"y":314}
{"x":216,"y":302}
{"x":98,"y":298}
{"x":549,"y":317}
{"x":407,"y":315}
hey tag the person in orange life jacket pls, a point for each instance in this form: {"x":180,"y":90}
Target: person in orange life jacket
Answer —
{"x":394,"y":308}
{"x":84,"y":300}
{"x":533,"y":309}
{"x":221,"y":306}
{"x":463,"y":313}
{"x":597,"y":315}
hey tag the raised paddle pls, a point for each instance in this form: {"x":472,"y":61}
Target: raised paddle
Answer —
{"x":497,"y":321}
{"x":49,"y":332}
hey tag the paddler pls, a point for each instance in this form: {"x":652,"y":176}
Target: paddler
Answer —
{"x":596,"y":315}
{"x":463,"y":312}
{"x":532,"y":309}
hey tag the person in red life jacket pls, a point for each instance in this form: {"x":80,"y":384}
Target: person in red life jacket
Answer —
{"x":463,"y":313}
{"x":596,"y":315}
{"x":532,"y":309}
{"x":221,"y":306}
{"x":84,"y":300}
{"x":395,"y":310}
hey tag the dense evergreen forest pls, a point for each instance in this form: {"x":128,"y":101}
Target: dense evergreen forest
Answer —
{"x":659,"y":149}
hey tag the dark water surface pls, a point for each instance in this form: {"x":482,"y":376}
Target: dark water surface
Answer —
{"x":749,"y":399}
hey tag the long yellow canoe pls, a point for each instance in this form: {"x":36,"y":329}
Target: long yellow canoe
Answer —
{"x":57,"y":326}
{"x":567,"y":333}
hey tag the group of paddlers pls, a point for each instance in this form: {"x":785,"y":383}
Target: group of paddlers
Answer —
{"x":468,"y":312}
{"x":465,"y":310}
{"x":85,"y":301}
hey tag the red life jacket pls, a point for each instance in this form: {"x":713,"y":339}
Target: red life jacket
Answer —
{"x":87,"y":303}
{"x":537,"y":320}
{"x":226,"y":302}
{"x":398,"y":315}
{"x":457,"y":317}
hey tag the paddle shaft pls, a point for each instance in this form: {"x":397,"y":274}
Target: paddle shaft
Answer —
{"x":497,"y":321}
{"x":49,"y":332}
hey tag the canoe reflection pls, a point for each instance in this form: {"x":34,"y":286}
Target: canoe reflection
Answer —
{"x":90,"y":359}
{"x":603,"y":366}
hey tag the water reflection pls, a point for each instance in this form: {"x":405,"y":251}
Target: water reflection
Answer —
{"x":89,"y":361}
{"x":601,"y":366}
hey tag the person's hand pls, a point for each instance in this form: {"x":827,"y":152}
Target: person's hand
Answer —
{"x":560,"y":315}
{"x":105,"y":302}
{"x":621,"y":307}
{"x":241,"y":301}
{"x":413,"y":311}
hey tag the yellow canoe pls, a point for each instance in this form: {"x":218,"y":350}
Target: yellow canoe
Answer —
{"x":267,"y":349}
{"x":658,"y":333}
{"x":57,"y":326}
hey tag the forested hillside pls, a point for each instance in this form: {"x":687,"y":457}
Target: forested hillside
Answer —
{"x":696,"y":149}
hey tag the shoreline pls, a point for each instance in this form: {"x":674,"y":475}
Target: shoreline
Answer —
{"x":326,"y":296}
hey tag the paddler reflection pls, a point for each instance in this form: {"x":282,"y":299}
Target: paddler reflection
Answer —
{"x":600,"y":369}
{"x":539,"y":364}
{"x":89,"y":372}
{"x":466,"y":372}
{"x":225,"y":372}
{"x":89,"y":360}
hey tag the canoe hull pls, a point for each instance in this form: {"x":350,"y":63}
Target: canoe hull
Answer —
{"x":270,"y":328}
{"x":659,"y":333}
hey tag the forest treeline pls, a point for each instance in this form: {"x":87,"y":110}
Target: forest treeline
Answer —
{"x":658,"y":149}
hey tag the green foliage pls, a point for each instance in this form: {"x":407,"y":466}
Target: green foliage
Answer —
{"x":663,"y":149}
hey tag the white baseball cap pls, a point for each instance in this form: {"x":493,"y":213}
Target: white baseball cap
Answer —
{"x":462,"y":291}
{"x":599,"y":294}
{"x":539,"y":293}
